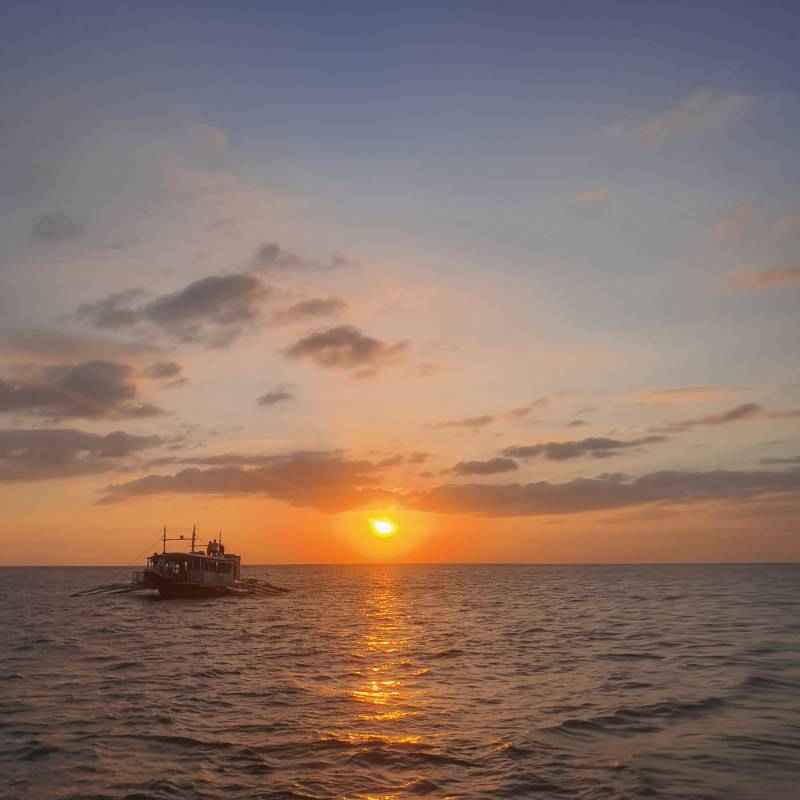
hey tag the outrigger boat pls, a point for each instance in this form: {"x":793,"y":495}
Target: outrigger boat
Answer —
{"x":197,"y":573}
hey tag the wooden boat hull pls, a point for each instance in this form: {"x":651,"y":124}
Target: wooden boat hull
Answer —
{"x":171,"y":587}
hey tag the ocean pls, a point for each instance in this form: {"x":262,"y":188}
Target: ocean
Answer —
{"x":388,"y":682}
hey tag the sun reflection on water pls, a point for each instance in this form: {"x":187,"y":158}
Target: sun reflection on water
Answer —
{"x":387,"y":695}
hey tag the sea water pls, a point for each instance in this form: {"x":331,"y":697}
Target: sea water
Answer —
{"x":406,"y":681}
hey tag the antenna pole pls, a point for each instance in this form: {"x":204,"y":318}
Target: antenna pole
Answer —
{"x":164,"y":547}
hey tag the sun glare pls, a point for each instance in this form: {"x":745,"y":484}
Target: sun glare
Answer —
{"x":383,"y":527}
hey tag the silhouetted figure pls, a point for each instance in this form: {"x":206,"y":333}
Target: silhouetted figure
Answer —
{"x":214,"y":548}
{"x":221,"y":550}
{"x":209,"y":548}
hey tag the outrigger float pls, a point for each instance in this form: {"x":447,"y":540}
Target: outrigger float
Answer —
{"x":198,"y":573}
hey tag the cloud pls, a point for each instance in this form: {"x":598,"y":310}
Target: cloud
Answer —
{"x":738,"y":413}
{"x":785,"y":226}
{"x":212,"y":311}
{"x":211,"y":138}
{"x":92,"y":389}
{"x":33,"y":344}
{"x":589,"y":197}
{"x":490,"y":467}
{"x":595,"y":446}
{"x":169,"y":372}
{"x":682,"y":395}
{"x":733,"y":225}
{"x":58,"y":228}
{"x":786,"y":460}
{"x":473,"y":423}
{"x":278,"y":395}
{"x":346,"y":347}
{"x":325,"y":481}
{"x":576,"y":423}
{"x":592,"y":494}
{"x":308,"y":309}
{"x":483,"y":420}
{"x":701,"y":112}
{"x":43,"y":454}
{"x":270,"y":257}
{"x":773,"y":277}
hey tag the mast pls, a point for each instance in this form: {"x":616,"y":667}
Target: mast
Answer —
{"x":164,"y":546}
{"x":194,"y":535}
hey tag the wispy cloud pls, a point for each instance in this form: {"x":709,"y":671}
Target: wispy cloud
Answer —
{"x":683,"y":395}
{"x":787,"y":225}
{"x":745,"y":411}
{"x":58,"y":227}
{"x":588,"y":197}
{"x":702,"y":111}
{"x":595,"y":446}
{"x":483,"y":420}
{"x":271,"y":257}
{"x":773,"y":277}
{"x":734,"y":224}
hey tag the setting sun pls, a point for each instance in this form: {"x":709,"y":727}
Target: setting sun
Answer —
{"x":383,"y":527}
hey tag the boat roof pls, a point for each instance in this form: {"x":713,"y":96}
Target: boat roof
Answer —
{"x":196,"y":554}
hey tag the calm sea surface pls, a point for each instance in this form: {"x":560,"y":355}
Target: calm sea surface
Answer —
{"x":406,"y":681}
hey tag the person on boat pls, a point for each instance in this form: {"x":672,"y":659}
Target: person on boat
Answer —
{"x":221,"y":550}
{"x":208,"y":548}
{"x":214,"y":548}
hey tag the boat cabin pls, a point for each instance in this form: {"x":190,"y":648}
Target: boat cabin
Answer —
{"x":196,"y":573}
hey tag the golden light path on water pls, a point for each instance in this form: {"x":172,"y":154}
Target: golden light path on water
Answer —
{"x":387,"y":695}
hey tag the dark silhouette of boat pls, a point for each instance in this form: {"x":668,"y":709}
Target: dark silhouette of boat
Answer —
{"x":208,"y":572}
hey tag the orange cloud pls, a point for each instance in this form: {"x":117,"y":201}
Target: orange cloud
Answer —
{"x":589,"y":197}
{"x":733,"y":225}
{"x":773,"y":277}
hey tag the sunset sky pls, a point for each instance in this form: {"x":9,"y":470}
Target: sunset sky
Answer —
{"x":522,"y":277}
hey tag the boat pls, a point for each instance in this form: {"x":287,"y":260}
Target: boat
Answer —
{"x":208,"y":572}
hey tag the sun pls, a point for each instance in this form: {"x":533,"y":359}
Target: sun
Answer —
{"x":383,"y":527}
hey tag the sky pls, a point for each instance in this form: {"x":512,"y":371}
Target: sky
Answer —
{"x":522,"y":278}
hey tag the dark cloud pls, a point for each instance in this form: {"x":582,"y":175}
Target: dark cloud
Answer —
{"x":42,"y":454}
{"x":118,"y":310}
{"x":213,"y":311}
{"x":91,"y":389}
{"x":308,"y":309}
{"x":738,"y":413}
{"x":576,"y":423}
{"x":786,"y":460}
{"x":170,"y":373}
{"x":326,"y":481}
{"x":278,"y":395}
{"x":596,"y":446}
{"x":57,"y":227}
{"x":33,"y":344}
{"x":271,"y":257}
{"x":346,"y":347}
{"x":490,"y":467}
{"x":591,"y":494}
